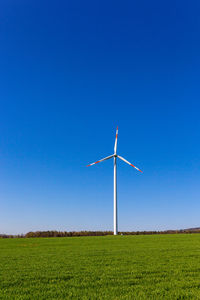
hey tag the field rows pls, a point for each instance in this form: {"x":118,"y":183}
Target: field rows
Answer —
{"x":110,"y":267}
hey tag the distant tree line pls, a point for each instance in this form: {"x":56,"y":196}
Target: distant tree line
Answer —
{"x":54,"y":233}
{"x":66,"y":234}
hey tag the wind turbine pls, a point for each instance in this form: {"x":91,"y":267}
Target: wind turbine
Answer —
{"x":115,"y":156}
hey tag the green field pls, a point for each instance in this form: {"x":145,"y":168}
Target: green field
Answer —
{"x":110,"y":267}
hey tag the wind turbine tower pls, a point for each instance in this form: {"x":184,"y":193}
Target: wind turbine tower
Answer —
{"x":115,"y":156}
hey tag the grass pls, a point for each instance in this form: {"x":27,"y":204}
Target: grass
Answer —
{"x":110,"y":267}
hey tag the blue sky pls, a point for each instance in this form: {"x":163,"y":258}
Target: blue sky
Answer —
{"x":71,"y":71}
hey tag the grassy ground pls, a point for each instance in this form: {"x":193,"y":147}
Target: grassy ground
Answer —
{"x":122,"y":267}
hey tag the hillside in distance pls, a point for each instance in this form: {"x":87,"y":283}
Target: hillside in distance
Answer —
{"x":55,"y":233}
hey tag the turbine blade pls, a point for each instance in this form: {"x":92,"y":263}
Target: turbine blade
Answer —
{"x":115,"y":148}
{"x":126,"y":161}
{"x":108,"y":157}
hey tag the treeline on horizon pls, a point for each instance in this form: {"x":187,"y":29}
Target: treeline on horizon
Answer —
{"x":54,"y":233}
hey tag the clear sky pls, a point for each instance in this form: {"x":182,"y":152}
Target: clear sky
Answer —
{"x":70,"y":72}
